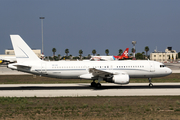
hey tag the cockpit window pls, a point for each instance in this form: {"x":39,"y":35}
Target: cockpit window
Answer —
{"x":162,"y":66}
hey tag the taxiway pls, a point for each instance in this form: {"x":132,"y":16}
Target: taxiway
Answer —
{"x":84,"y":89}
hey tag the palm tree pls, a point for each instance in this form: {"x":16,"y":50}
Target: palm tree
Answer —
{"x":59,"y":56}
{"x":80,"y":53}
{"x":146,"y":49}
{"x":94,"y":52}
{"x":89,"y":56}
{"x":133,"y":51}
{"x":107,"y":52}
{"x":70,"y":56}
{"x":143,"y":54}
{"x":66,"y":51}
{"x":120,"y":51}
{"x":54,"y":50}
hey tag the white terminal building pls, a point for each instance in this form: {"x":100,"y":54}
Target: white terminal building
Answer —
{"x":168,"y":56}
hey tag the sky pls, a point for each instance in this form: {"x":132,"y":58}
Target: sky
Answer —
{"x":91,"y":24}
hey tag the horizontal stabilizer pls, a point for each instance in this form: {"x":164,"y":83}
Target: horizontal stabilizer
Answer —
{"x":14,"y":66}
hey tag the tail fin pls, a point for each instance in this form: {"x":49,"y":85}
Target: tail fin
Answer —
{"x":125,"y":53}
{"x":22,"y":51}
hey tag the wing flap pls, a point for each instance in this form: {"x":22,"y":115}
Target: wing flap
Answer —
{"x":95,"y":72}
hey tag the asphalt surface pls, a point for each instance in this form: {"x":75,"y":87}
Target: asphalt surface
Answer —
{"x":175,"y":67}
{"x":84,"y":89}
{"x":6,"y":71}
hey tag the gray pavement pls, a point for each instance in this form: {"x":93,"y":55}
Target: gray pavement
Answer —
{"x":6,"y":71}
{"x":175,"y":67}
{"x":84,"y":89}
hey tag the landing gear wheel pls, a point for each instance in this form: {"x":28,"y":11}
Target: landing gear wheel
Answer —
{"x":98,"y":85}
{"x":93,"y":84}
{"x":150,"y":85}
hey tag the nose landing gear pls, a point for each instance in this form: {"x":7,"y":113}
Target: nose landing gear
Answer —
{"x":150,"y":84}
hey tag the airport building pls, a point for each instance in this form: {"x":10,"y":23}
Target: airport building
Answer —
{"x":10,"y":53}
{"x":168,"y":56}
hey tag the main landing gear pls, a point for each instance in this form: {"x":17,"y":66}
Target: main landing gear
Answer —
{"x":150,"y":84}
{"x":94,"y":84}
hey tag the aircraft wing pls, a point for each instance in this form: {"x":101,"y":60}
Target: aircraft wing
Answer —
{"x":95,"y":72}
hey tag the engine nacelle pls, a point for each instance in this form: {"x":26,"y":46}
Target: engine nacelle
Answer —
{"x":86,"y":76}
{"x":122,"y":78}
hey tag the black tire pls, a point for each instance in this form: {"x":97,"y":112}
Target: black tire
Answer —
{"x":150,"y":85}
{"x":98,"y":85}
{"x":93,"y":84}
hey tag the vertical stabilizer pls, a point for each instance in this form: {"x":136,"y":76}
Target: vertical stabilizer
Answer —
{"x":22,"y":51}
{"x":125,"y":53}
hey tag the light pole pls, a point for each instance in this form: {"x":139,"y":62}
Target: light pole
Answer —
{"x":42,"y":34}
{"x":134,"y":42}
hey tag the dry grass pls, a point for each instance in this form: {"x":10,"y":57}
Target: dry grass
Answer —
{"x":29,"y":79}
{"x":139,"y":108}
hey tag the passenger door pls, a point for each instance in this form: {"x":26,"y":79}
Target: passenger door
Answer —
{"x":43,"y":68}
{"x":152,"y":69}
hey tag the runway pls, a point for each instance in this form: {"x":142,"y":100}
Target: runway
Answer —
{"x":84,"y":89}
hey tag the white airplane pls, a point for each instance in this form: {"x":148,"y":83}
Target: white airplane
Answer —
{"x":118,"y":72}
{"x":10,"y":59}
{"x":111,"y":58}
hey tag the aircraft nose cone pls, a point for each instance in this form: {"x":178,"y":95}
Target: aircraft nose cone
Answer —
{"x":169,"y":71}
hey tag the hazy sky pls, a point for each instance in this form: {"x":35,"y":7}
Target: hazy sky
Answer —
{"x":91,"y":24}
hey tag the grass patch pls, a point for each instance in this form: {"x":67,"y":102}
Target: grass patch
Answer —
{"x":90,"y":108}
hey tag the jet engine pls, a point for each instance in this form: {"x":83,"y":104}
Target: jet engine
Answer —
{"x":122,"y":78}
